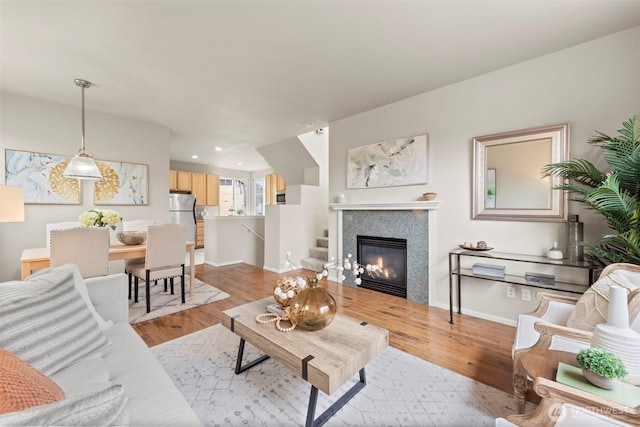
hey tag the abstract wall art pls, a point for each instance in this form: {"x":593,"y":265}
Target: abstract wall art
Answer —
{"x":396,"y":162}
{"x":40,"y":176}
{"x":121,"y":184}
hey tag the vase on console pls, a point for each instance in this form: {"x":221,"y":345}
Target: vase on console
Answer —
{"x":617,"y":337}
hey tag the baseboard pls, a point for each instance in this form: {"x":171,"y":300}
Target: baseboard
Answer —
{"x":222,"y":264}
{"x":479,"y":314}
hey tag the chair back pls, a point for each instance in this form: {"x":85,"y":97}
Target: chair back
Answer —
{"x":166,"y":245}
{"x":88,"y":247}
{"x":137,"y":224}
{"x":60,"y":226}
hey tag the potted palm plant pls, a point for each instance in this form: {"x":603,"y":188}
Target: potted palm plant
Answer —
{"x":601,"y":367}
{"x":613,"y":193}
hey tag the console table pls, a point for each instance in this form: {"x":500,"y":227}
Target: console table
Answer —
{"x":456,"y":272}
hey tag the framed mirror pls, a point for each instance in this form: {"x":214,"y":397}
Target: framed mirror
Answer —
{"x":507,"y":175}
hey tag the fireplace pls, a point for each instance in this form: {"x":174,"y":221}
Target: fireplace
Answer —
{"x":390,"y":257}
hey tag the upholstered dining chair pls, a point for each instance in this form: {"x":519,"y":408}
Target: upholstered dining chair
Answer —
{"x":135,"y":225}
{"x":88,"y":247}
{"x":546,"y":327}
{"x":60,"y":226}
{"x":164,"y":259}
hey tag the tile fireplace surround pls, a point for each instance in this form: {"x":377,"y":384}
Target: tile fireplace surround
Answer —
{"x":414,"y":221}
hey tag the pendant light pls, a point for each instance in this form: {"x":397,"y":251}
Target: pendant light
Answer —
{"x":82,"y":165}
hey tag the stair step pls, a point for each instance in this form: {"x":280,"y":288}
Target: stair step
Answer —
{"x":311,"y":263}
{"x":320,"y":253}
{"x":322,"y":242}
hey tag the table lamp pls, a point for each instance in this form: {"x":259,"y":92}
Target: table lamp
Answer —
{"x":11,"y":204}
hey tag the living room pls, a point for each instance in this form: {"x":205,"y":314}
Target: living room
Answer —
{"x":593,"y":85}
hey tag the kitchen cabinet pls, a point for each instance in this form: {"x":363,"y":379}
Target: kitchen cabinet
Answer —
{"x":273,"y":184}
{"x":199,"y":188}
{"x":199,"y":233}
{"x":213,"y":190}
{"x":173,"y":180}
{"x":183,"y":180}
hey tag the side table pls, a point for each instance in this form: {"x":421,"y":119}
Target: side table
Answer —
{"x":537,"y":363}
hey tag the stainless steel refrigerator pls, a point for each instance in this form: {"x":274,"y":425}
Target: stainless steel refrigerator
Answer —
{"x":182,"y":210}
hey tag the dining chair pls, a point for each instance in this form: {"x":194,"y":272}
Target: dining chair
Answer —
{"x":60,"y":226}
{"x":164,"y":259}
{"x":135,"y":225}
{"x":88,"y":247}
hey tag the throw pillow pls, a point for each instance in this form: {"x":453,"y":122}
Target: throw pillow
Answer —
{"x":81,"y":286}
{"x":103,"y":408}
{"x":22,"y":386}
{"x":46,"y":323}
{"x":593,"y":306}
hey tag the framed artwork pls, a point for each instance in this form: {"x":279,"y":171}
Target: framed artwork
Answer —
{"x":396,"y":162}
{"x":491,"y":189}
{"x":121,"y":184}
{"x":40,"y":176}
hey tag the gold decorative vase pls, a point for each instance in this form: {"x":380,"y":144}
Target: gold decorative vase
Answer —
{"x":313,"y":308}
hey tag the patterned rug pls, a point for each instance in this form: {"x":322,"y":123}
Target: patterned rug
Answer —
{"x":401,"y":390}
{"x":164,"y":303}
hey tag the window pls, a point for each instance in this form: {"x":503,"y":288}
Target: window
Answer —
{"x":233,"y":196}
{"x":258,"y":196}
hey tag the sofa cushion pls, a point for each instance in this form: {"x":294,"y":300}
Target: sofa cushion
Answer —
{"x":81,"y":286}
{"x":22,"y":386}
{"x":46,"y":323}
{"x":103,"y":408}
{"x":593,"y":306}
{"x":84,"y":376}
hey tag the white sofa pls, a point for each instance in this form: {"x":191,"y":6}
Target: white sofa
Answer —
{"x":151,"y":397}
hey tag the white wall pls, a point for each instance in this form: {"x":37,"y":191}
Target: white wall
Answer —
{"x":227,"y":241}
{"x":593,"y":86}
{"x":33,"y":125}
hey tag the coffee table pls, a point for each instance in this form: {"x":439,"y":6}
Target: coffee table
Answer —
{"x":326,"y":359}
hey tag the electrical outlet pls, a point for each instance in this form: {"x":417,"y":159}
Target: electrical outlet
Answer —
{"x":511,"y":292}
{"x":526,"y":295}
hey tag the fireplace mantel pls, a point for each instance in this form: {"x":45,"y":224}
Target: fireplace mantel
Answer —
{"x":429,"y":206}
{"x":386,"y":206}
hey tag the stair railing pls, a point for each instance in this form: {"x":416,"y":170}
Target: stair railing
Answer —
{"x":252,"y":230}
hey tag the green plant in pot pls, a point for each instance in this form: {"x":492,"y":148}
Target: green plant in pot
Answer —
{"x":613,"y":193}
{"x":601,"y":367}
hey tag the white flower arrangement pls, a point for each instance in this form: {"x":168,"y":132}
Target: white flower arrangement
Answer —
{"x":100,"y":218}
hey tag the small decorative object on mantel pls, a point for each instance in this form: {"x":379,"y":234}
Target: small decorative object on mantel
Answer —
{"x":554,"y":252}
{"x":429,"y":196}
{"x":601,"y":367}
{"x":100,"y":218}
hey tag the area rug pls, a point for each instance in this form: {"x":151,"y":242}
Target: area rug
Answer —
{"x":401,"y":390}
{"x":163,"y":303}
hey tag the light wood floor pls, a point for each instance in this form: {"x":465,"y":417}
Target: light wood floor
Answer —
{"x":476,"y":348}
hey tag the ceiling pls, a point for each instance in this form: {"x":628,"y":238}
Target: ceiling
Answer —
{"x":241,"y":74}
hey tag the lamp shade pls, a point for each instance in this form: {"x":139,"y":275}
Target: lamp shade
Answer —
{"x":82,"y":166}
{"x":11,"y":204}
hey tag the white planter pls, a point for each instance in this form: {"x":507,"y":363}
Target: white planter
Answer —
{"x":600,"y":381}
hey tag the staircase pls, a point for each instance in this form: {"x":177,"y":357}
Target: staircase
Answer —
{"x":318,"y":255}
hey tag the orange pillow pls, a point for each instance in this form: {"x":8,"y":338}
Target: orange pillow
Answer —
{"x":22,"y":386}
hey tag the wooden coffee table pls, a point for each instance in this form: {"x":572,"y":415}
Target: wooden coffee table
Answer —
{"x":327,"y":358}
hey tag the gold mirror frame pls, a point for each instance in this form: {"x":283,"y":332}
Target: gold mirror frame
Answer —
{"x":557,"y":206}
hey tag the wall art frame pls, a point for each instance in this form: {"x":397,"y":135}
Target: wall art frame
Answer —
{"x":40,"y":176}
{"x":395,"y":162}
{"x":121,"y":184}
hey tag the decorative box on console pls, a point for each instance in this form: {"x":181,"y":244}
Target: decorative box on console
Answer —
{"x":489,"y":270}
{"x":543,"y":279}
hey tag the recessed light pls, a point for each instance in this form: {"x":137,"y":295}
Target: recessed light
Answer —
{"x":308,"y":125}
{"x":194,"y":156}
{"x":239,"y":163}
{"x":217,"y":148}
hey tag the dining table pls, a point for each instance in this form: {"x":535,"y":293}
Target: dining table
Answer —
{"x":36,"y":258}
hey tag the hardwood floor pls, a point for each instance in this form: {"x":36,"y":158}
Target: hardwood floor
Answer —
{"x":476,"y":348}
